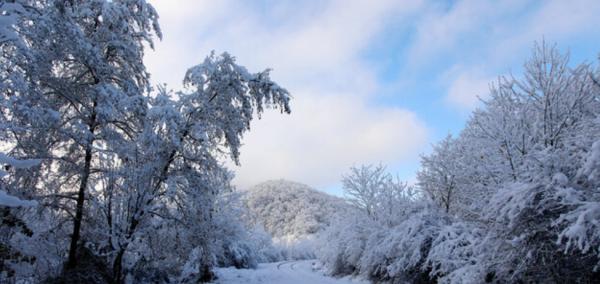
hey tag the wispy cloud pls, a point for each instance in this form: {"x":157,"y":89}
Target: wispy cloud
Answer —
{"x":489,"y":38}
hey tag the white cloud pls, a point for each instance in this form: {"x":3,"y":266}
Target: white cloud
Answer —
{"x":324,"y":137}
{"x":314,"y":49}
{"x":467,"y":87}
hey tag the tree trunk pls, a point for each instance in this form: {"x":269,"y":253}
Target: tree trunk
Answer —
{"x":72,"y":260}
{"x":118,"y":267}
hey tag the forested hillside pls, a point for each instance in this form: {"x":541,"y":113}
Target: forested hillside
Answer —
{"x":292,"y":213}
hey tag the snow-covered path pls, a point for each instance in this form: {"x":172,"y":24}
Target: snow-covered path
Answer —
{"x":286,"y":272}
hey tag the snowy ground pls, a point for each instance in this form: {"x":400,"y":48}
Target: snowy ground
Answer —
{"x":286,"y":272}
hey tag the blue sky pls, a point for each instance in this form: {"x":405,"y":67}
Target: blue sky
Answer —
{"x":373,"y":81}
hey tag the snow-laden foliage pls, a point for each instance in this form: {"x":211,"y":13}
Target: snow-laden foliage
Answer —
{"x":454,"y":254}
{"x":12,"y":225}
{"x":342,"y":245}
{"x":9,"y":162}
{"x":517,"y":191}
{"x":357,"y":244}
{"x":292,"y":213}
{"x":388,"y":233}
{"x":399,"y":253}
{"x":9,"y":14}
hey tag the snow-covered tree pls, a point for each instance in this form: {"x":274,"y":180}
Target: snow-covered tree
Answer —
{"x":85,"y":83}
{"x":363,"y":184}
{"x":177,"y":161}
{"x":378,"y":193}
{"x":119,"y":159}
{"x":439,"y":174}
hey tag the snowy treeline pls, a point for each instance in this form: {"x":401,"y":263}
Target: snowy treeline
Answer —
{"x":514,"y":198}
{"x":292,"y":214}
{"x":130,"y":184}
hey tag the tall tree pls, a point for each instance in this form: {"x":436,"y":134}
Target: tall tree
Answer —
{"x":86,"y":80}
{"x":178,"y":154}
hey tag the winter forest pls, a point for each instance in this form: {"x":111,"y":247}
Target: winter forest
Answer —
{"x":109,"y":176}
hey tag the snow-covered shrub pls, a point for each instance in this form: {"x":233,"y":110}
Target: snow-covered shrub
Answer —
{"x":233,"y":244}
{"x":264,"y":247}
{"x":400,"y":253}
{"x":454,"y":254}
{"x":581,"y":227}
{"x":192,"y":269}
{"x":529,"y":233}
{"x":341,"y":246}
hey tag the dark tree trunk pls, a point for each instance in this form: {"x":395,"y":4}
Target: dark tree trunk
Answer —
{"x":72,"y":259}
{"x":118,"y":267}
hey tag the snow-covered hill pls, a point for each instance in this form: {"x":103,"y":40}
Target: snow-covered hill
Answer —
{"x":291,"y":212}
